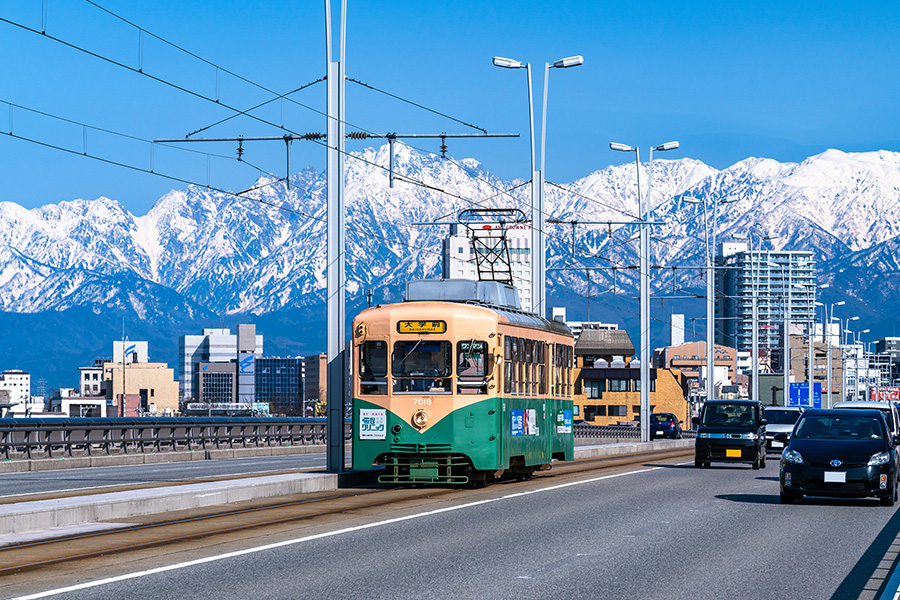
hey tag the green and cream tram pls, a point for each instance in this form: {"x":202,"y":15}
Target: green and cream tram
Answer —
{"x":457,"y":386}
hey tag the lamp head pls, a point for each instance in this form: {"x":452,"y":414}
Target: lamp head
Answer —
{"x":666,"y":146}
{"x":507,"y":63}
{"x":571,"y":61}
{"x":621,"y":147}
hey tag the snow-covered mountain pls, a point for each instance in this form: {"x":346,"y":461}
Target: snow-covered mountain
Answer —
{"x":201,"y":255}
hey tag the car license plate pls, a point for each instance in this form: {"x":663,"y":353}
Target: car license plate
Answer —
{"x":733,"y":453}
{"x":777,"y":445}
{"x":660,"y":432}
{"x":835,"y":477}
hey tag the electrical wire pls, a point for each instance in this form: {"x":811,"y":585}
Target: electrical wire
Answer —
{"x":416,"y":104}
{"x":121,"y":135}
{"x":246,"y":112}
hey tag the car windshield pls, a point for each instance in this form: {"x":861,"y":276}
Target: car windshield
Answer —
{"x":728,"y":415}
{"x":843,"y":427}
{"x":781,"y":417}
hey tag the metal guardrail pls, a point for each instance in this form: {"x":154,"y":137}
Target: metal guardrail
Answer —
{"x":617,"y":432}
{"x":53,"y":438}
{"x":22,"y":439}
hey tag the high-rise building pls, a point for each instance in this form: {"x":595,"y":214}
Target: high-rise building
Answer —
{"x":785,"y":284}
{"x":219,"y":346}
{"x":891,"y":347}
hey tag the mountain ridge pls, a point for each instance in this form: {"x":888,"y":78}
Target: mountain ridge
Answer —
{"x":198,"y":255}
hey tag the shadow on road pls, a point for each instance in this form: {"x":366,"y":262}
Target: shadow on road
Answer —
{"x":751,"y":498}
{"x":863,"y":576}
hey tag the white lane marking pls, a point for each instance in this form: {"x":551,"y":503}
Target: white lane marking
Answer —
{"x":209,"y":559}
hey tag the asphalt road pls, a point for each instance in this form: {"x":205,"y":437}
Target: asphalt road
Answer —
{"x":660,"y":531}
{"x":35,"y":482}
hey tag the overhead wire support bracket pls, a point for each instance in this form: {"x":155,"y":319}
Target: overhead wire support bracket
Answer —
{"x":287,"y":139}
{"x":392,"y":137}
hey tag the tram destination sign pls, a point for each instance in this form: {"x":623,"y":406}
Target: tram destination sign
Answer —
{"x":421,"y":326}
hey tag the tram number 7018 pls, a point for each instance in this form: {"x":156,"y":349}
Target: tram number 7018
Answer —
{"x":421,"y":401}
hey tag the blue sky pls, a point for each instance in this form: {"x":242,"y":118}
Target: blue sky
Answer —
{"x":728,"y":80}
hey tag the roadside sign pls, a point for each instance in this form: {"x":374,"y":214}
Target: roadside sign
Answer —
{"x":799,"y":395}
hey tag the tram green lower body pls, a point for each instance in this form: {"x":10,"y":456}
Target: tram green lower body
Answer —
{"x":491,"y":438}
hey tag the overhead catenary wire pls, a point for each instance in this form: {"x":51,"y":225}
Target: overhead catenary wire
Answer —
{"x":208,"y":98}
{"x":242,"y":196}
{"x":238,"y":111}
{"x":416,"y":104}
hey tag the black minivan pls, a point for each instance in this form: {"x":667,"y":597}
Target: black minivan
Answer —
{"x":732,"y":431}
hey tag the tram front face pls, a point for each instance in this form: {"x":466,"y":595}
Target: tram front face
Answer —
{"x":424,"y":394}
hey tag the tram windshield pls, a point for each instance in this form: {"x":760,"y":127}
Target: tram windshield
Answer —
{"x":421,"y":365}
{"x":373,"y":367}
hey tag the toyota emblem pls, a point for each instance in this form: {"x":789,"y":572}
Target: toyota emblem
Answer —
{"x":835,"y":463}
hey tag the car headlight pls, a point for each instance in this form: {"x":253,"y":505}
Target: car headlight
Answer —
{"x":792,"y":456}
{"x":750,"y":436}
{"x":703,"y":435}
{"x":882,"y":458}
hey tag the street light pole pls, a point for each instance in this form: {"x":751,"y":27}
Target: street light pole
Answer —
{"x":828,"y":348}
{"x":538,"y":237}
{"x":754,"y":381}
{"x":645,"y":282}
{"x":845,"y":327}
{"x":710,"y":289}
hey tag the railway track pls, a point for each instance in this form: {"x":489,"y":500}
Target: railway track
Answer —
{"x":190,"y":531}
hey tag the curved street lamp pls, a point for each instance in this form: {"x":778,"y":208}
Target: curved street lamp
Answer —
{"x":710,"y":286}
{"x":538,"y":246}
{"x":645,"y":281}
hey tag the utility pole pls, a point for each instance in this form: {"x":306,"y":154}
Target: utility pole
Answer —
{"x":336,"y":242}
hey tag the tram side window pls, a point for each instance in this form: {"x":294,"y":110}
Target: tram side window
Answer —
{"x":471,"y":368}
{"x":373,"y":367}
{"x":540,"y":351}
{"x":507,"y":365}
{"x":421,"y":366}
{"x":558,"y":370}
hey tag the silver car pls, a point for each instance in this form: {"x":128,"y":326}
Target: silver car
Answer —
{"x":887,"y":408}
{"x":779,"y":419}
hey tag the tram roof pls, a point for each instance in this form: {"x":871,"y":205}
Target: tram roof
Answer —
{"x":499,"y":297}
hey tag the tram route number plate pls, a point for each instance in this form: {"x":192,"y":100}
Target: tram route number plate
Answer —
{"x":421,"y":326}
{"x":372,"y":424}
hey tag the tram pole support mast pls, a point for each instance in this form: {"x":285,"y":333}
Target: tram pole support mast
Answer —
{"x":336,"y":243}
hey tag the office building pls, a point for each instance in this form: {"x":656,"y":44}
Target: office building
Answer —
{"x":279,"y":383}
{"x":219,"y":346}
{"x":18,"y":384}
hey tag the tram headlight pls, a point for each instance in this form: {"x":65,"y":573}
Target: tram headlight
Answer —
{"x":420,"y":418}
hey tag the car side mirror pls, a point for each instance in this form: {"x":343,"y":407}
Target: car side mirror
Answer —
{"x":695,"y":420}
{"x":895,"y":440}
{"x":763,"y":422}
{"x":781,"y":437}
